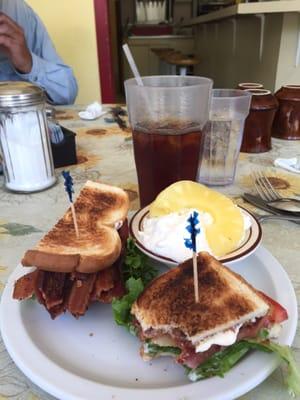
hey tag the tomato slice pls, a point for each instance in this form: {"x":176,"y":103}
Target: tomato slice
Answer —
{"x":277,"y":313}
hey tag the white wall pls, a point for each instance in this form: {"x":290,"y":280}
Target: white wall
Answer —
{"x":214,"y":46}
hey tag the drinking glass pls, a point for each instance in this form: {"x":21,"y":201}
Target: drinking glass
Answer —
{"x":223,"y":135}
{"x":167,"y":115}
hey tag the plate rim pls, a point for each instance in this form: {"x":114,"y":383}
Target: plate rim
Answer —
{"x":225,"y":259}
{"x":45,"y":382}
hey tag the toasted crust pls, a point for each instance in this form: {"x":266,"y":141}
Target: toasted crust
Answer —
{"x":109,"y":204}
{"x":50,"y":261}
{"x":225,"y":300}
{"x":98,"y":208}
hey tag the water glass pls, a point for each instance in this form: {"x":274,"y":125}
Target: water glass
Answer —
{"x":223,"y":135}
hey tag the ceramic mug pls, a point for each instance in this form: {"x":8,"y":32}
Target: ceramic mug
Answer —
{"x":287,"y":119}
{"x":258,"y":124}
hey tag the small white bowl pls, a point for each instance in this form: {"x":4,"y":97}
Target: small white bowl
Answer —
{"x":250,"y":243}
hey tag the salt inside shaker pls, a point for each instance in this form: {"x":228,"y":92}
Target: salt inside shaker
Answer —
{"x":24,"y":138}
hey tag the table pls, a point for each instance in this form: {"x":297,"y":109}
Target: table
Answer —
{"x":105,"y":153}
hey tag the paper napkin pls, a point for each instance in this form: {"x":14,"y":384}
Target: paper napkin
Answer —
{"x":291,"y":164}
{"x":93,"y":111}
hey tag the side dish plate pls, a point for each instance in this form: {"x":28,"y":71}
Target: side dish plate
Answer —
{"x":250,"y":243}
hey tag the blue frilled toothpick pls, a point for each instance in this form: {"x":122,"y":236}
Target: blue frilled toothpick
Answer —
{"x":69,"y":189}
{"x":190,"y":243}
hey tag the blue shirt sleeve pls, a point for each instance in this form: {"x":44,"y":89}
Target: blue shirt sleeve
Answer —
{"x":48,"y":69}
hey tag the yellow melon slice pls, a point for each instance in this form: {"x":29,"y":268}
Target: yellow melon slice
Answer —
{"x":227,"y":229}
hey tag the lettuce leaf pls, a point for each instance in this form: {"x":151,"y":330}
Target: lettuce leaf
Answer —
{"x":155,"y":350}
{"x":292,"y":378}
{"x":221,"y":362}
{"x":121,"y":307}
{"x":224,"y":360}
{"x":137,"y":264}
{"x":137,"y":272}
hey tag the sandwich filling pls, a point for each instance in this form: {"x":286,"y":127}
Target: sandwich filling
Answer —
{"x":229,"y":311}
{"x":75,"y":291}
{"x":190,"y":353}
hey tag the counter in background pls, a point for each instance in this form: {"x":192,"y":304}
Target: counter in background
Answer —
{"x":256,"y":42}
{"x":282,"y":6}
{"x":146,"y":60}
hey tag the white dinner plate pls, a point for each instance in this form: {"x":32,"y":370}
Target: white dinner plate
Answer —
{"x":92,"y":358}
{"x":249,"y":244}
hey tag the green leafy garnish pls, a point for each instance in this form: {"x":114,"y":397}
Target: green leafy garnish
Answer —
{"x":137,"y":265}
{"x":224,"y":360}
{"x":137,"y":272}
{"x":292,"y":379}
{"x":121,"y":307}
{"x":219,"y":363}
{"x":155,"y":350}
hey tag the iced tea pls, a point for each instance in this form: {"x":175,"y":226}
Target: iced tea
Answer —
{"x":164,"y":155}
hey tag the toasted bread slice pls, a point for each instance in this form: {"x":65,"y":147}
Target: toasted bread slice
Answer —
{"x":225,"y":300}
{"x":108,"y":204}
{"x":98,"y":208}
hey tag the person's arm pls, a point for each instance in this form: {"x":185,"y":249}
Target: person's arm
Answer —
{"x":34,"y":58}
{"x":13,"y":44}
{"x":56,"y":78}
{"x":48,"y":69}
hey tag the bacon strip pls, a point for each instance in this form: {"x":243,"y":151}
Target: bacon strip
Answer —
{"x":79,"y":298}
{"x":60,"y":292}
{"x":62,"y":307}
{"x":116,"y":292}
{"x":52,"y":289}
{"x":124,"y":232}
{"x":38,"y":289}
{"x":25,"y":286}
{"x":104,"y":282}
{"x":192,"y":359}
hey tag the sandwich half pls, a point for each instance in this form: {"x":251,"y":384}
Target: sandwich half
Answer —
{"x":230,"y":311}
{"x":72,"y":272}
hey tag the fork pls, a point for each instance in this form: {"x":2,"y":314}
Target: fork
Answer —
{"x":270,"y":195}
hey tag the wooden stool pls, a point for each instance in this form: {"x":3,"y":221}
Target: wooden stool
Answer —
{"x":184,"y":63}
{"x":161,"y":52}
{"x":171,"y":58}
{"x":171,"y":55}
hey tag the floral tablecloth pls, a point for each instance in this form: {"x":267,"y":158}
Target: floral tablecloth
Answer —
{"x":105,"y":153}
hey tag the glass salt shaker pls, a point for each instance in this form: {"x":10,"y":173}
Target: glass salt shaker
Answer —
{"x":24,"y":138}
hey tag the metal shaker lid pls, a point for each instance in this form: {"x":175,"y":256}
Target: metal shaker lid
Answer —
{"x":17,"y":94}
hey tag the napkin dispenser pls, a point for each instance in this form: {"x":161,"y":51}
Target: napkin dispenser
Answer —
{"x":63,"y":143}
{"x":64,"y":153}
